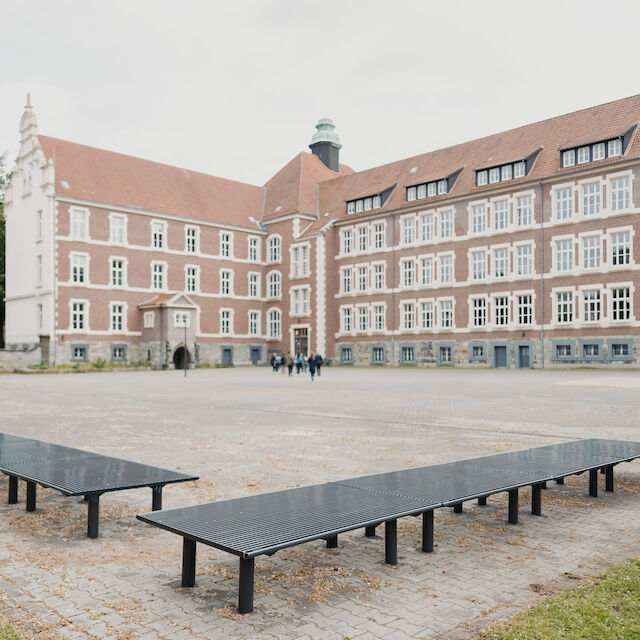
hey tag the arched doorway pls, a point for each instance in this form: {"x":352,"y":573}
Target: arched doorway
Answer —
{"x":178,"y":357}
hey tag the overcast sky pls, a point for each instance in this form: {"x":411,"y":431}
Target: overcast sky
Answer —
{"x":235,"y":88}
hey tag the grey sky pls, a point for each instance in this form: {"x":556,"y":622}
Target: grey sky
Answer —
{"x":235,"y":88}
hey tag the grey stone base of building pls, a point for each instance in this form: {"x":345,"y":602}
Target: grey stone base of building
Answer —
{"x":606,"y":352}
{"x":158,"y":355}
{"x":26,"y":356}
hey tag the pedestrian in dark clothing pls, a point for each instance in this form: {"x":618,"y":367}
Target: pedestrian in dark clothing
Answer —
{"x":318,"y":361}
{"x":312,"y":366}
{"x":273,"y":363}
{"x":289,"y":361}
{"x":278,"y":362}
{"x":298,"y":363}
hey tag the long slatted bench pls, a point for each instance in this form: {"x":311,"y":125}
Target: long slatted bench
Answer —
{"x":264,"y":524}
{"x":75,"y":472}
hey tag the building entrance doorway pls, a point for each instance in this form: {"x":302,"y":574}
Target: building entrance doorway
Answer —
{"x":255,"y":355}
{"x":500,"y":356}
{"x":301,"y":341}
{"x":178,"y":357}
{"x":524,"y":359}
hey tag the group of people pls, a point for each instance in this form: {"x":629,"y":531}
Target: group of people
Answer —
{"x":313,"y":363}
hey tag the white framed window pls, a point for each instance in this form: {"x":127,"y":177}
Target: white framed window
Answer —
{"x":273,"y":323}
{"x":79,"y":223}
{"x":148,"y":319}
{"x":620,"y":303}
{"x":501,"y":308}
{"x":253,"y":285}
{"x":422,"y":191}
{"x":363,"y":318}
{"x":181,"y":319}
{"x":411,"y":194}
{"x":620,"y":248}
{"x":347,"y":319}
{"x":226,"y":282}
{"x":591,"y":252}
{"x":39,"y":269}
{"x":519,"y":169}
{"x":524,"y":210}
{"x":524,"y":259}
{"x":275,"y":249}
{"x":525,"y":309}
{"x":351,"y":207}
{"x":79,"y":315}
{"x":254,"y":322}
{"x":501,"y":262}
{"x":158,"y":275}
{"x":568,"y":158}
{"x":426,"y":227}
{"x":118,"y":274}
{"x":254,"y":249}
{"x":478,"y":218}
{"x":507,"y":172}
{"x":592,"y":305}
{"x":426,"y":314}
{"x":564,"y":203}
{"x":479,"y":312}
{"x":274,"y":280}
{"x":584,"y":155}
{"x":226,"y":244}
{"x":117,"y":316}
{"x":363,"y":278}
{"x":408,"y":272}
{"x":446,"y":224}
{"x":379,"y":235}
{"x":79,"y":264}
{"x":226,"y":322}
{"x":564,"y":307}
{"x":442,"y":187}
{"x":40,"y":316}
{"x":620,"y":193}
{"x":494,"y":175}
{"x":379,"y":317}
{"x":408,"y":315}
{"x":482,"y":178}
{"x":591,"y":199}
{"x":501,"y":215}
{"x":426,"y":271}
{"x":191,"y":239}
{"x":564,"y":255}
{"x":379,"y":276}
{"x":347,"y":280}
{"x":478,"y":265}
{"x":300,"y":261}
{"x":363,"y":238}
{"x":158,"y":234}
{"x":446,"y":269}
{"x":300,"y":301}
{"x":615,"y":147}
{"x":347,"y":241}
{"x":599,"y":151}
{"x":408,"y":230}
{"x":117,"y":228}
{"x":446,"y":314}
{"x":39,"y":226}
{"x":191,"y":279}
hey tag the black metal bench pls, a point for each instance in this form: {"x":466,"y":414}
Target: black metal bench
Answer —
{"x":264,"y":524}
{"x":75,"y":472}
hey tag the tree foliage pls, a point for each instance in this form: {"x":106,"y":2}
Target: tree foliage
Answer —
{"x":5,"y":176}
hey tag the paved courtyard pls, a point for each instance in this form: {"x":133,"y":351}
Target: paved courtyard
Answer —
{"x":246,"y":431}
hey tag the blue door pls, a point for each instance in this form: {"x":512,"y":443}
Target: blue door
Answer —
{"x":500,"y":356}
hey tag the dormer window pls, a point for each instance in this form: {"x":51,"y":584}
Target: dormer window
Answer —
{"x":493,"y":175}
{"x":427,"y":190}
{"x":591,"y":152}
{"x":364,"y":204}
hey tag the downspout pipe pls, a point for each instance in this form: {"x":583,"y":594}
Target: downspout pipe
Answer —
{"x":393,"y":289}
{"x":541,"y":274}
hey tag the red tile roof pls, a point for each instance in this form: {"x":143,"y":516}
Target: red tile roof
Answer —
{"x":114,"y":178}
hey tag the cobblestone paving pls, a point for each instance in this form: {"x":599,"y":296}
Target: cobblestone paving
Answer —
{"x":247,"y":431}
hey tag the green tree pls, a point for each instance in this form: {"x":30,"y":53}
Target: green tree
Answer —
{"x":5,"y":176}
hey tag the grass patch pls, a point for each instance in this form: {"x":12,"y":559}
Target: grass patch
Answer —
{"x":608,"y":607}
{"x":7,"y":632}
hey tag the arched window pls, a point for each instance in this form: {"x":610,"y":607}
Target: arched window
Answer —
{"x":275,"y":249}
{"x":275,"y":284}
{"x":274,"y":323}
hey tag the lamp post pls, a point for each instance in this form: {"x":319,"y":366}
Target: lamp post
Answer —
{"x":186,"y":351}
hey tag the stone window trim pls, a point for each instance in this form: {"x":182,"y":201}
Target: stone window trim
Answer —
{"x":125,"y":219}
{"x":87,"y":267}
{"x":113,"y":352}
{"x":583,"y":342}
{"x":378,"y":345}
{"x":87,"y":216}
{"x":532,"y":351}
{"x":401,"y":347}
{"x":555,"y":343}
{"x":613,"y":358}
{"x":74,"y":347}
{"x":478,"y":343}
{"x":439,"y":347}
{"x":499,"y":343}
{"x":344,"y":349}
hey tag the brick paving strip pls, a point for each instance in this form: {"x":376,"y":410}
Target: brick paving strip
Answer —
{"x":267,"y":433}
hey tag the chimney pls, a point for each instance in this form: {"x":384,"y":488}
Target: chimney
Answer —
{"x":326,"y":144}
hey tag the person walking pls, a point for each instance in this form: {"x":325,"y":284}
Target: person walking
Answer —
{"x":278,"y":362}
{"x":318,"y":360}
{"x":273,"y":362}
{"x":312,"y":366}
{"x":289,"y":361}
{"x":298,"y":363}
{"x":305,"y":363}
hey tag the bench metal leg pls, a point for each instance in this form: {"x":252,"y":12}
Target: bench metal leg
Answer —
{"x":332,"y":542}
{"x":602,"y":470}
{"x":482,"y":501}
{"x":593,"y":483}
{"x":391,"y":542}
{"x":536,"y":500}
{"x":544,"y":485}
{"x":457,"y":508}
{"x":31,"y":496}
{"x":559,"y":480}
{"x":245,"y":592}
{"x":513,"y":506}
{"x":156,"y":501}
{"x":370,"y":531}
{"x":93,"y":515}
{"x":188,"y":562}
{"x":608,"y":478}
{"x":427,"y":531}
{"x":13,"y":490}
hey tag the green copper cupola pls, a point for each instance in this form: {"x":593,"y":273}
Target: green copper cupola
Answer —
{"x":325,"y":144}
